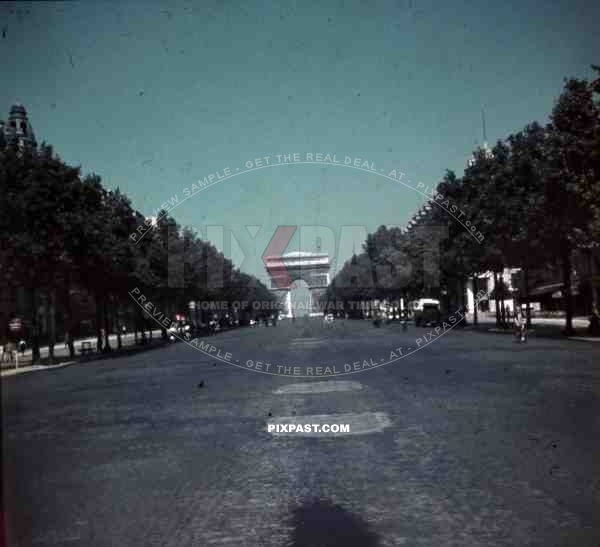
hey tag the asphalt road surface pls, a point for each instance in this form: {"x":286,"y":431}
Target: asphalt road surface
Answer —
{"x":473,"y":440}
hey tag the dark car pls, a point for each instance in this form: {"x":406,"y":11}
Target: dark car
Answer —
{"x":429,"y":316}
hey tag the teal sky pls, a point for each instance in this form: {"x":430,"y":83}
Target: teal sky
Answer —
{"x":154,"y":96}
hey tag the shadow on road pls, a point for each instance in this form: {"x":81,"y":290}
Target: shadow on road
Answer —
{"x":319,"y":523}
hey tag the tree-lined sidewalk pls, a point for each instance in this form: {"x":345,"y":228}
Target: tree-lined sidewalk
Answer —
{"x":532,"y":202}
{"x":65,"y":236}
{"x":23,"y":363}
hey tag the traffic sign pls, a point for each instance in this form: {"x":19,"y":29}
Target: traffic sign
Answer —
{"x":15,"y":324}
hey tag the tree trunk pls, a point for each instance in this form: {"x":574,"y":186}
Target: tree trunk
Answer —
{"x":596,"y":291}
{"x":475,"y":302}
{"x":68,"y":312}
{"x":496,"y":298}
{"x":35,"y":330}
{"x":51,"y":323}
{"x":502,"y":308}
{"x":106,"y":311}
{"x":502,"y":298}
{"x":594,"y":281}
{"x":142,"y":326}
{"x":567,"y":286}
{"x":163,"y":329}
{"x":117,"y":308}
{"x":99,"y":305}
{"x":527,"y":296}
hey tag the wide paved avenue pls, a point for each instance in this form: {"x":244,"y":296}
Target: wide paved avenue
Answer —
{"x":474,"y":440}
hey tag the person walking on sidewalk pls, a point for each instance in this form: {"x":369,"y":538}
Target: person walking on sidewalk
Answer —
{"x":8,"y":352}
{"x":520,"y":323}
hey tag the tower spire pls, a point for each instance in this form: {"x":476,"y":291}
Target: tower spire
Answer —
{"x":483,"y":125}
{"x":488,"y":152}
{"x":484,"y":146}
{"x":354,"y":258}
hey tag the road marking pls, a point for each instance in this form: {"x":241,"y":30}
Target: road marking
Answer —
{"x":360,"y":424}
{"x":319,"y":387}
{"x":307,"y":342}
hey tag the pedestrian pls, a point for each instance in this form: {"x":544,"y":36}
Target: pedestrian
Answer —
{"x":520,"y":324}
{"x":8,"y":352}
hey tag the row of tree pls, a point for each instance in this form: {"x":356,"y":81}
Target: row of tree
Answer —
{"x":64,"y":234}
{"x":531,"y":202}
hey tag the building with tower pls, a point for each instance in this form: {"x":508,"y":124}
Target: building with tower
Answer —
{"x":17,"y":129}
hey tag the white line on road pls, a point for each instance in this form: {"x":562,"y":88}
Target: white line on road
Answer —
{"x":305,"y":342}
{"x":319,"y":387}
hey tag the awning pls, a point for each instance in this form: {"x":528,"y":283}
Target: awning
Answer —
{"x":554,"y":289}
{"x":546,"y":289}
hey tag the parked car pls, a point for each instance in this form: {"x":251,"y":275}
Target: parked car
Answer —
{"x":426,"y":312}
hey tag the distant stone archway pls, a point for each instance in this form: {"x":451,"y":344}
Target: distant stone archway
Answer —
{"x":312,"y":268}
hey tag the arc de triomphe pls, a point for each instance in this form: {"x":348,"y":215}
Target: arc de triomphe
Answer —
{"x":311,"y":267}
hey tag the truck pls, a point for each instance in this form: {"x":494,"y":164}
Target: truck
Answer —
{"x":426,"y":312}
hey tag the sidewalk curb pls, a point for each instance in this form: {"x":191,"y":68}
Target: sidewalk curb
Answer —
{"x":508,"y":331}
{"x":541,"y":335}
{"x":36,"y":368}
{"x":82,"y":361}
